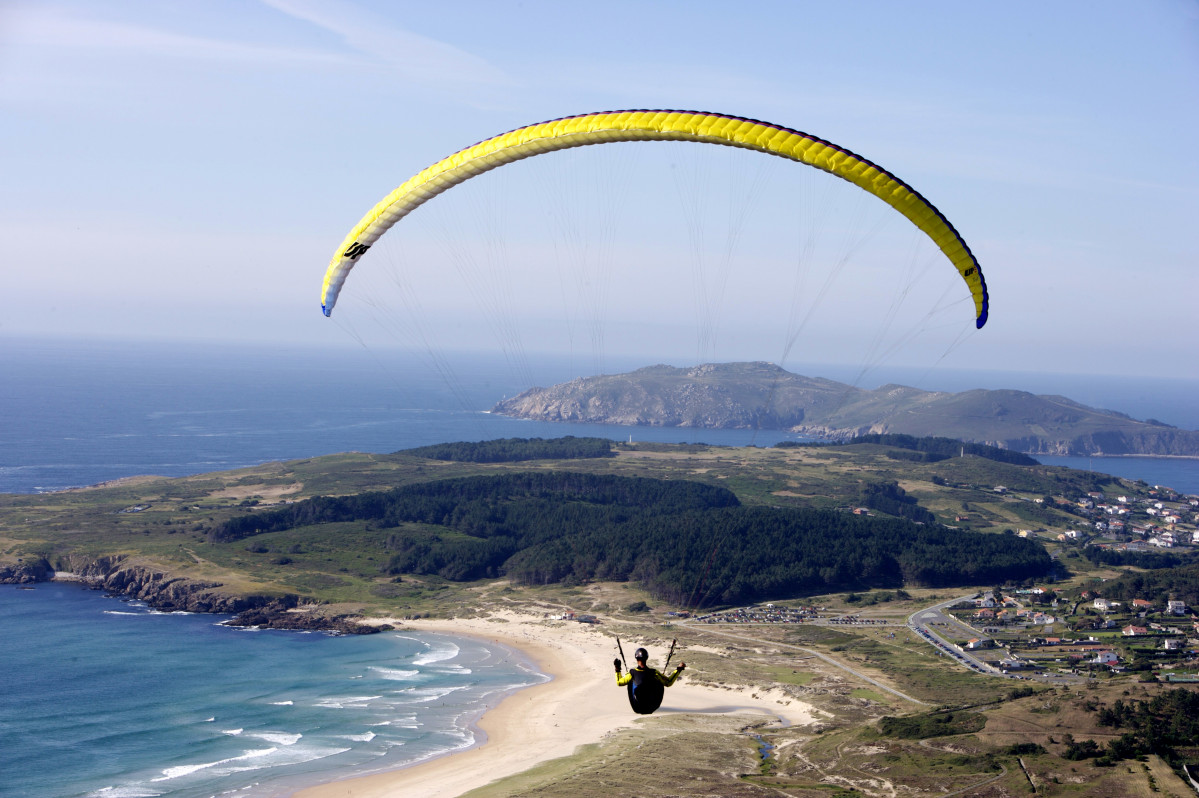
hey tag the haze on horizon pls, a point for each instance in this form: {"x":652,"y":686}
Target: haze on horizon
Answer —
{"x":184,"y":171}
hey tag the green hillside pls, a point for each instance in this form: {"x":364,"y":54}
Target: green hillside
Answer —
{"x":827,"y":517}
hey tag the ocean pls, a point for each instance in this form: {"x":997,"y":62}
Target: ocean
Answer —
{"x":107,"y":698}
{"x":80,"y":413}
{"x":77,"y":414}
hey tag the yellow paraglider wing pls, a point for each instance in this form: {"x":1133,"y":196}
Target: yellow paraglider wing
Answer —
{"x":578,"y":131}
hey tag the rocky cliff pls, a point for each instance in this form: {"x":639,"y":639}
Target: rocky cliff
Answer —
{"x":764,"y":396}
{"x":25,"y":572}
{"x":170,"y":593}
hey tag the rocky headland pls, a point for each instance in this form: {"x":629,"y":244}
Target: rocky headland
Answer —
{"x":764,"y":396}
{"x":162,"y":591}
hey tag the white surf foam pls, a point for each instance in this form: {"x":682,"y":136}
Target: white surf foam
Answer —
{"x":179,"y":771}
{"x":438,"y":652}
{"x":278,"y":738}
{"x":393,"y":674}
{"x":359,"y":738}
{"x":125,"y":791}
{"x":349,"y":701}
{"x":422,"y":695}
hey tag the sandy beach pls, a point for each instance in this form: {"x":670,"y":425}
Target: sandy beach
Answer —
{"x":580,"y":704}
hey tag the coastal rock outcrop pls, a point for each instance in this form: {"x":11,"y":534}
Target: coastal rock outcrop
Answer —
{"x":169,"y":593}
{"x":25,"y":572}
{"x":286,"y":613}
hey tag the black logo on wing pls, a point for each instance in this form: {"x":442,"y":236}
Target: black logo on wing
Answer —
{"x":355,"y":250}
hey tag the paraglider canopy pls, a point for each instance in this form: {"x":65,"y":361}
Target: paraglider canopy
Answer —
{"x":690,"y":126}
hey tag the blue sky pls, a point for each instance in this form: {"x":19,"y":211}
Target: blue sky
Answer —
{"x":185,"y":170}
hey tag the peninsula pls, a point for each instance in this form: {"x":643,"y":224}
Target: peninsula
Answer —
{"x":764,"y":396}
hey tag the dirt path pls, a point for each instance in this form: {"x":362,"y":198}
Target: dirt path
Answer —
{"x":829,"y":660}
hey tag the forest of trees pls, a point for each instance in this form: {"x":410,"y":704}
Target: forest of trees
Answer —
{"x":688,"y":543}
{"x":512,"y":450}
{"x":1180,"y":583}
{"x":465,"y":503}
{"x":937,"y":449}
{"x":1166,"y":725}
{"x":889,"y":498}
{"x":1101,"y":555}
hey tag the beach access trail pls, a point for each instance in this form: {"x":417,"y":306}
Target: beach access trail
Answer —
{"x":835,"y":663}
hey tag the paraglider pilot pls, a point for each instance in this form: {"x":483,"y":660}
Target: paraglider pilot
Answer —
{"x":645,"y":684}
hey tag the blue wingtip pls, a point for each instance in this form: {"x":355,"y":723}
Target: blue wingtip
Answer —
{"x":327,"y":311}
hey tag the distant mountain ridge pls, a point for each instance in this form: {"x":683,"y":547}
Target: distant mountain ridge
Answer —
{"x":764,"y":396}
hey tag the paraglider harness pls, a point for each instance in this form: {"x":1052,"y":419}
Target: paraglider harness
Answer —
{"x":645,"y":688}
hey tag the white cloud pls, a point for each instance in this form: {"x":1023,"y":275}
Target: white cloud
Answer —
{"x":52,"y":28}
{"x":414,"y":56}
{"x":361,"y":42}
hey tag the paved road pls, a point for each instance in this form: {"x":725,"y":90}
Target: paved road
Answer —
{"x":922,"y":622}
{"x":925,"y":623}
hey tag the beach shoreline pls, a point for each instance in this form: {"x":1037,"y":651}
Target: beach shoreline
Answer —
{"x":578,"y":705}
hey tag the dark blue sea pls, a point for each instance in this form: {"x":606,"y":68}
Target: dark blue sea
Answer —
{"x":108,"y":698}
{"x":77,"y":414}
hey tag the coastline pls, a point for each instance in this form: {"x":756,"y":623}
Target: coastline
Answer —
{"x":1192,"y":457}
{"x":580,"y":704}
